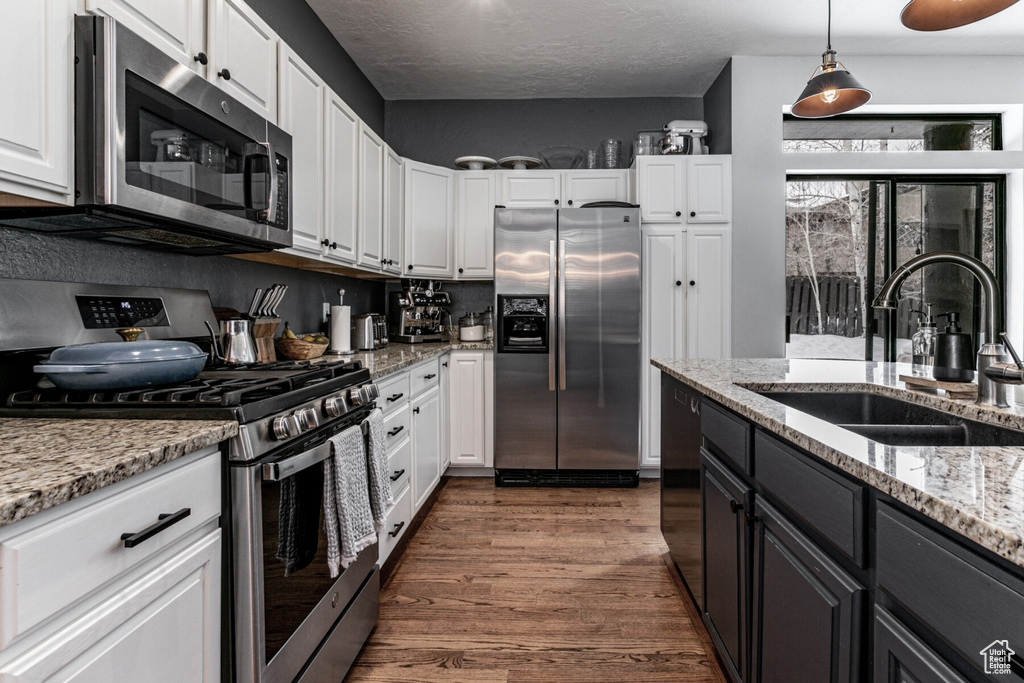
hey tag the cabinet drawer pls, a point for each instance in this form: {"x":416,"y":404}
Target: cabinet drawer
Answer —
{"x":400,"y":467}
{"x":396,"y":525}
{"x":966,"y":600}
{"x":55,"y":564}
{"x":827,"y":502}
{"x":901,"y":656}
{"x":728,"y":434}
{"x":396,"y":427}
{"x":394,"y":392}
{"x":424,"y":376}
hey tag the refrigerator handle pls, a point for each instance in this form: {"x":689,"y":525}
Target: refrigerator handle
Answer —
{"x":552,"y":274}
{"x":561,"y":314}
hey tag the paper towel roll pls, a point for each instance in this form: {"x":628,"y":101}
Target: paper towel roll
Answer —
{"x":341,"y":329}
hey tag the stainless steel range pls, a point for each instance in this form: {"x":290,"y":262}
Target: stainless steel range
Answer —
{"x":290,"y":622}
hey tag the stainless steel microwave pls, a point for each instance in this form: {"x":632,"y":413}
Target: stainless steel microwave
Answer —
{"x":164,"y":159}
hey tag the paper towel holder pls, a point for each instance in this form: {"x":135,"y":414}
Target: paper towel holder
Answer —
{"x":341,"y":333}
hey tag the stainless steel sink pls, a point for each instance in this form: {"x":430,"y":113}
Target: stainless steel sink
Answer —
{"x":894,"y":422}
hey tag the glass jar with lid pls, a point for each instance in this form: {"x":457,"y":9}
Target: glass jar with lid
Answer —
{"x":487,"y":320}
{"x":471,"y":327}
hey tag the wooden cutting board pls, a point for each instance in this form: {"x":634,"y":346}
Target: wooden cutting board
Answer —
{"x":952,"y":389}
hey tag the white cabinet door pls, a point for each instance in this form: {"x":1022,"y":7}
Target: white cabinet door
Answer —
{"x":341,"y":179}
{"x":302,"y":116}
{"x":530,"y":189}
{"x":664,"y":324}
{"x":36,"y":120}
{"x":178,"y":27}
{"x":393,"y":202}
{"x":709,"y":189}
{"x":467,"y":401}
{"x":583,"y":186}
{"x":429,"y":220}
{"x":488,"y":409}
{"x":243,"y":57}
{"x":426,"y":445}
{"x":161,"y":628}
{"x":661,"y":188}
{"x":475,"y":197}
{"x":708,"y":308}
{"x":371,"y":198}
{"x":444,"y":383}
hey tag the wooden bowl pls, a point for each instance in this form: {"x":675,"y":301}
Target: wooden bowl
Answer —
{"x":296,"y":349}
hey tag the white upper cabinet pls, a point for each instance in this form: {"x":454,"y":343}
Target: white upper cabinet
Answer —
{"x":302,"y":116}
{"x":709,"y":189}
{"x":429,"y":220}
{"x":580,"y":187}
{"x":243,"y":56}
{"x":530,"y":189}
{"x":708,"y":284}
{"x":341,"y":169}
{"x":36,"y":120}
{"x":661,"y":188}
{"x":394,"y":179}
{"x":475,"y":193}
{"x":178,"y":27}
{"x":371,"y":198}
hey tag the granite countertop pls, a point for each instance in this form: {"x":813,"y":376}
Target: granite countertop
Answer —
{"x":396,"y":356}
{"x":47,"y":462}
{"x":977,"y":492}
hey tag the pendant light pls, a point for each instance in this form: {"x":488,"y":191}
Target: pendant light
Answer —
{"x":938,"y":15}
{"x":833,"y":90}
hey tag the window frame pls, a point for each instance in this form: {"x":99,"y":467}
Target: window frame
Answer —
{"x":996,"y":119}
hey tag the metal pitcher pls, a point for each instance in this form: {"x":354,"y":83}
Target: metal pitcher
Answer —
{"x":237,"y":346}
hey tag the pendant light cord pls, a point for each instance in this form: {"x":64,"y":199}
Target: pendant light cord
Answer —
{"x":829,"y":24}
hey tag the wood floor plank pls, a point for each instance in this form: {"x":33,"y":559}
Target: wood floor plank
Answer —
{"x":508,"y":584}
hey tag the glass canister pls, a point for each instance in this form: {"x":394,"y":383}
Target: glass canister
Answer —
{"x":923,"y":342}
{"x":471,"y":328}
{"x":487,"y":319}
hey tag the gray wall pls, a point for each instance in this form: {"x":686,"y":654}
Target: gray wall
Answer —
{"x":439,"y":131}
{"x":231,"y":282}
{"x":718,"y":112}
{"x":301,"y":28}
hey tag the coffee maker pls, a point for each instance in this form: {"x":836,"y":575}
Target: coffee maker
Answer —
{"x":414,"y":315}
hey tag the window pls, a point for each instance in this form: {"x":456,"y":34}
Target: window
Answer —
{"x":846,"y":235}
{"x":865,"y":133}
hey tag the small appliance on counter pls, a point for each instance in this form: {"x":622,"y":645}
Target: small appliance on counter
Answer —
{"x":369,"y":331}
{"x":414,"y":314}
{"x":684,"y":137}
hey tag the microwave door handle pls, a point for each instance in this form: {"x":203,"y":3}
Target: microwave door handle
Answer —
{"x":261,"y":149}
{"x":276,"y":471}
{"x":272,"y":198}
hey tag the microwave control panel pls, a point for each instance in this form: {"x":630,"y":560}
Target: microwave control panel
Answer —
{"x":124,"y":311}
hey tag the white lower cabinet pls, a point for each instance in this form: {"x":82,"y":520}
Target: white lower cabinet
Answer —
{"x":397,"y":524}
{"x":426,"y":445}
{"x":77,"y":604}
{"x":444,"y":383}
{"x":470,"y":409}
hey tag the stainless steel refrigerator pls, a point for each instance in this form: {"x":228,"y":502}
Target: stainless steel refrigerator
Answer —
{"x":567,"y":346}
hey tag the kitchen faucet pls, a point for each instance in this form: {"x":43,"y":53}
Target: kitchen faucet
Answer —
{"x":993,"y":373}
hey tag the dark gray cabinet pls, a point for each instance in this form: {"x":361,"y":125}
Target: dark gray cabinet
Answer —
{"x":806,"y":609}
{"x":901,"y":657}
{"x":726,"y":553}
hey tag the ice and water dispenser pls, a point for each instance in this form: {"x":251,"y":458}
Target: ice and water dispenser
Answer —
{"x":522,"y":324}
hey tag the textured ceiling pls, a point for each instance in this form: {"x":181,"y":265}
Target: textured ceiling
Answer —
{"x":476,"y":49}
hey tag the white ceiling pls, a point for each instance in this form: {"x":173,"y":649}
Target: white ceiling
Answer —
{"x":478,"y":49}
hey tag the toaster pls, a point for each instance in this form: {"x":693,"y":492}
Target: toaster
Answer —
{"x":369,"y":331}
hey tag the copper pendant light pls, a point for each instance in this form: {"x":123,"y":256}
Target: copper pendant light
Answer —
{"x":832,"y":91}
{"x":939,"y":15}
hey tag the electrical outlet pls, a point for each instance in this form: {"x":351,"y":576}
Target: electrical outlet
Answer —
{"x":327,"y":312}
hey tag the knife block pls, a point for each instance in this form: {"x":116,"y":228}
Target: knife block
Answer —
{"x":263,"y":331}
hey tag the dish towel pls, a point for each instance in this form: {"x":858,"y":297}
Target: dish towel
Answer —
{"x":381,"y":498}
{"x":348,"y":521}
{"x":298,"y":519}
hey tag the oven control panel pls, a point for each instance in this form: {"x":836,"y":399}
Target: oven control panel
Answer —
{"x":123,"y":311}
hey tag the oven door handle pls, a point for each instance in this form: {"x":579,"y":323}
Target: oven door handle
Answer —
{"x":276,"y":471}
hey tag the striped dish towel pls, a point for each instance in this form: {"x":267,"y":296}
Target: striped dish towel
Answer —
{"x":348,"y":520}
{"x":381,"y":498}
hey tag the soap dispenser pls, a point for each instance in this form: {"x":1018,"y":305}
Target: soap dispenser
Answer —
{"x":923,"y":342}
{"x":954,"y":352}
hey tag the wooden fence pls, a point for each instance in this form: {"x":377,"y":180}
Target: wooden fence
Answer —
{"x":840,"y":306}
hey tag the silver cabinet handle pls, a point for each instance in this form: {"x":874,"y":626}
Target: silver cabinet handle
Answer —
{"x":561,"y":314}
{"x":552,"y":274}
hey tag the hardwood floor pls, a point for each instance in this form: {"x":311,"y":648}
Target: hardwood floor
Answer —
{"x":521,"y":584}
